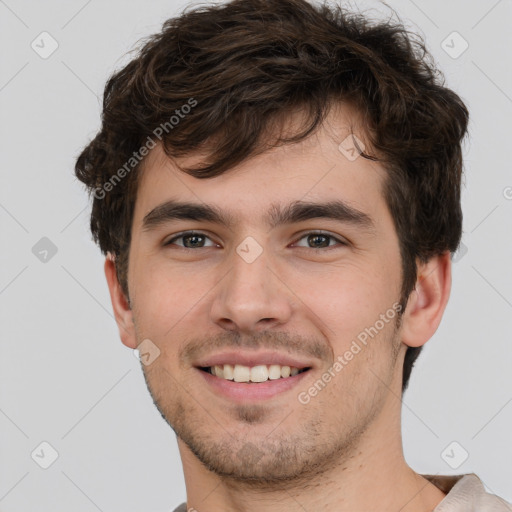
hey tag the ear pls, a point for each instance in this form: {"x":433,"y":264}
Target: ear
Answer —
{"x":122,"y":311}
{"x":427,"y":301}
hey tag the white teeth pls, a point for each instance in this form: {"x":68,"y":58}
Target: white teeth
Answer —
{"x":229,"y":372}
{"x":274,"y":372}
{"x":258,"y":373}
{"x":242,"y":373}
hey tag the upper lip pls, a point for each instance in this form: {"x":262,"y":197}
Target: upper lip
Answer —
{"x":252,"y":359}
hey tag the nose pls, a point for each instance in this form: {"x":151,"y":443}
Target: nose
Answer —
{"x":251,"y":297}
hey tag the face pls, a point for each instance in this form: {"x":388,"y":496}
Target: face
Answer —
{"x":279,"y":285}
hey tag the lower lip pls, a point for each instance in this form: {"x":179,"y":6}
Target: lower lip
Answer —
{"x":243,"y":391}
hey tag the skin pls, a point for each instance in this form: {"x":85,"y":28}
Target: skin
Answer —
{"x":298,"y":298}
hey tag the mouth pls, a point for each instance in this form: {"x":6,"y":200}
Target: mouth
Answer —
{"x":256,"y":374}
{"x":257,"y":383}
{"x":252,"y":376}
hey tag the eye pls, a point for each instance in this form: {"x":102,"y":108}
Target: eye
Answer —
{"x":191,"y":240}
{"x":320,"y":240}
{"x":197,"y":240}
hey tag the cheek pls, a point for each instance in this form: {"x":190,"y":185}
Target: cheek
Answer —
{"x":166,"y":297}
{"x":363,"y":366}
{"x":346,"y":299}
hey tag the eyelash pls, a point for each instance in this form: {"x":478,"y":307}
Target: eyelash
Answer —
{"x":309,"y":233}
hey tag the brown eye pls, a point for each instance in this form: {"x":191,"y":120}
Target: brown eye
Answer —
{"x":190,"y":240}
{"x":318,"y":240}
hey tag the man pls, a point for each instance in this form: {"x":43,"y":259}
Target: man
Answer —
{"x":277,"y":191}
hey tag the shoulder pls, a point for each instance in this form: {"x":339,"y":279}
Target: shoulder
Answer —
{"x":466,"y":493}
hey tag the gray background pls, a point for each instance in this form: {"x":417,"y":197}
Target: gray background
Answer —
{"x":66,"y":379}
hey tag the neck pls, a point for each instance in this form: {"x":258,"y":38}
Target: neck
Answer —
{"x":374,"y":476}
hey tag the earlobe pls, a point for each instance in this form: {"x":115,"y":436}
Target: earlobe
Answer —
{"x":427,"y":301}
{"x":120,"y":304}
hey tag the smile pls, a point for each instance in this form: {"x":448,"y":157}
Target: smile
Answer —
{"x":255,"y":374}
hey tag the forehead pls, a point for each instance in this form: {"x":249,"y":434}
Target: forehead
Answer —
{"x":315,"y":169}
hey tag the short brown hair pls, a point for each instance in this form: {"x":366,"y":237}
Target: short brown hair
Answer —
{"x":245,"y":65}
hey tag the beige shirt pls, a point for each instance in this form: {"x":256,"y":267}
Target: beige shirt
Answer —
{"x":465,"y":493}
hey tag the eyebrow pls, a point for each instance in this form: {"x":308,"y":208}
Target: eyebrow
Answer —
{"x":297,"y":211}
